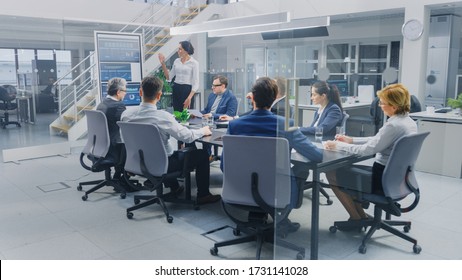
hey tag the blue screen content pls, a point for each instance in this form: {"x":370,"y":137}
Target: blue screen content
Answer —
{"x":132,"y":97}
{"x":342,"y":86}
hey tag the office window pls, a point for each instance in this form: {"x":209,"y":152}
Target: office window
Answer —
{"x":7,"y":67}
{"x":45,"y":54}
{"x":63,"y":66}
{"x":306,"y":61}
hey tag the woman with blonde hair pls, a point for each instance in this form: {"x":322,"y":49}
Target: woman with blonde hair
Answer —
{"x":395,"y":103}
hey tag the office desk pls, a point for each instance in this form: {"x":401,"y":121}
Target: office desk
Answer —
{"x":331,"y":161}
{"x":440,"y":152}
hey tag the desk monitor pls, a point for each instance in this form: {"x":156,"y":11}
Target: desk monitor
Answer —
{"x":133,"y":93}
{"x":342,"y":86}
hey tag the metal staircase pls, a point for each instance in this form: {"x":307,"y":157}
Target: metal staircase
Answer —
{"x":82,"y":92}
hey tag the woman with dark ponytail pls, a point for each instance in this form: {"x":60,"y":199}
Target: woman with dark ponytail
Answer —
{"x":330,"y":114}
{"x":185,"y":70}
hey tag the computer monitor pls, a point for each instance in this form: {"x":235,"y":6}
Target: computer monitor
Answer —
{"x":132,"y":97}
{"x":342,"y":86}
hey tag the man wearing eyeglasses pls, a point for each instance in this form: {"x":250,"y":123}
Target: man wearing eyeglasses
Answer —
{"x":113,"y":107}
{"x":222,"y":101}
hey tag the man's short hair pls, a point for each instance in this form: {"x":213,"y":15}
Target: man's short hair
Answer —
{"x":116,"y":84}
{"x":151,"y":85}
{"x":223,"y":80}
{"x":264,"y":92}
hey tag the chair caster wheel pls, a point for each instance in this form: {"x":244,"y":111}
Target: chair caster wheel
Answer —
{"x":137,"y":201}
{"x":123,"y":195}
{"x":214,"y":251}
{"x":407,"y":228}
{"x":300,"y":256}
{"x":84,"y":198}
{"x":362,"y":249}
{"x":169,"y":219}
{"x":417,"y":249}
{"x":129,"y":215}
{"x":329,"y":202}
{"x":236,"y":232}
{"x":79,"y":188}
{"x":333,"y":229}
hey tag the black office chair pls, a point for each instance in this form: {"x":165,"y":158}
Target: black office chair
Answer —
{"x":146,"y":156}
{"x":7,"y":96}
{"x":256,"y":183}
{"x":94,"y":154}
{"x":398,"y":182}
{"x":376,"y":115}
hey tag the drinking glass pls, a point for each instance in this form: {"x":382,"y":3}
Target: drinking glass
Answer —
{"x":318,"y":133}
{"x":340,"y":130}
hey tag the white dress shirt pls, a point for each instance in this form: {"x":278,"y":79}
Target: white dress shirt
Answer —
{"x":382,"y":143}
{"x":168,"y":126}
{"x":186,"y":73}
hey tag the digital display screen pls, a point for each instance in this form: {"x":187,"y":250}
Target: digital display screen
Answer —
{"x":342,"y":86}
{"x":120,"y":56}
{"x":132,"y":97}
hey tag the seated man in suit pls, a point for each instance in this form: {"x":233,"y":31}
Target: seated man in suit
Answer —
{"x":150,"y":92}
{"x":261,"y":122}
{"x":113,"y":107}
{"x":222,"y":101}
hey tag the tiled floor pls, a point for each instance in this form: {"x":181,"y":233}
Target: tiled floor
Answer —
{"x":42,"y":216}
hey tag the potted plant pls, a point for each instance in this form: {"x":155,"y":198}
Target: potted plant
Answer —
{"x":166,"y":99}
{"x":182,"y":116}
{"x":456,"y":103}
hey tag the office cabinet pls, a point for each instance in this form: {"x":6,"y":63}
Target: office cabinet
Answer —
{"x":440,"y":152}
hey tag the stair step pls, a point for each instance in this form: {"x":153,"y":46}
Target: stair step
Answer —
{"x":155,"y":45}
{"x":72,"y":118}
{"x":189,"y":15}
{"x":61,"y":127}
{"x":90,"y":97}
{"x":86,"y":107}
{"x":182,"y":22}
{"x":200,"y":7}
{"x":162,"y":37}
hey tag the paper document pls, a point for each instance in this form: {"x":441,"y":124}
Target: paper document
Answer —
{"x":195,"y":112}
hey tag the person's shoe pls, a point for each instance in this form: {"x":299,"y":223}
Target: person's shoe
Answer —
{"x":289,"y":226}
{"x":177,"y":190}
{"x":210,"y":198}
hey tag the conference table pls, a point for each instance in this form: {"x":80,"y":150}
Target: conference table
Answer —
{"x":331,"y":161}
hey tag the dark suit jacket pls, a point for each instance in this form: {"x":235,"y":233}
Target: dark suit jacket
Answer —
{"x":264,"y":123}
{"x":113,"y":110}
{"x":330,"y":118}
{"x":227,"y":105}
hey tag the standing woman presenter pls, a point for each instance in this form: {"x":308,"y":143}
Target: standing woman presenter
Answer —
{"x":185,"y":70}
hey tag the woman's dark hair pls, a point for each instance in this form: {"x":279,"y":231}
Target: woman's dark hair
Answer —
{"x":264,"y":92}
{"x":331,"y":91}
{"x":187,"y":46}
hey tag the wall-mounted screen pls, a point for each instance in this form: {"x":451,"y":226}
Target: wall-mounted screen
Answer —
{"x":342,"y":86}
{"x":120,"y":55}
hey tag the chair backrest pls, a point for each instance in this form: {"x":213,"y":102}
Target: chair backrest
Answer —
{"x":344,"y":120}
{"x":402,"y":159}
{"x":415,"y":104}
{"x":8,"y":93}
{"x":98,"y":140}
{"x":239,"y":99}
{"x":143,"y":137}
{"x":269,"y":157}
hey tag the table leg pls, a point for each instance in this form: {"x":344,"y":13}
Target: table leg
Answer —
{"x":315,"y":216}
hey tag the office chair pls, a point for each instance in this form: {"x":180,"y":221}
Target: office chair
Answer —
{"x":256,"y":179}
{"x":375,"y":118}
{"x":146,"y":156}
{"x":7,"y":95}
{"x":95,"y":151}
{"x":398,"y":182}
